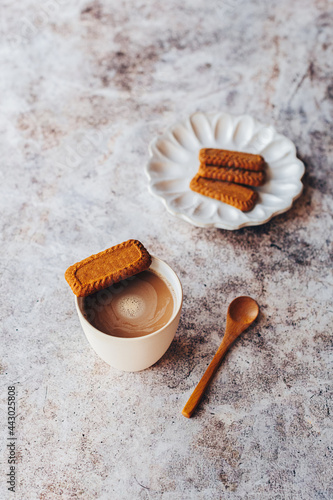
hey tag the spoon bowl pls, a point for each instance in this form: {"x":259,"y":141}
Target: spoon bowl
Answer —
{"x":243,"y":310}
{"x":241,"y":313}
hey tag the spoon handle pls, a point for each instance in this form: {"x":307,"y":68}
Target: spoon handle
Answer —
{"x":198,"y":392}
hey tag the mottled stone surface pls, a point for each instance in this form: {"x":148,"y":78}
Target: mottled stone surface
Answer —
{"x":84,"y":88}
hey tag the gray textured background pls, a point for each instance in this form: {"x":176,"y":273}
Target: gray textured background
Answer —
{"x":84,"y":88}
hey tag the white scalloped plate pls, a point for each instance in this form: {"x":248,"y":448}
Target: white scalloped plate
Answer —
{"x":174,"y":161}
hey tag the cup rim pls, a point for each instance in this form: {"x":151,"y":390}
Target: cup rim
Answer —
{"x":126,"y":339}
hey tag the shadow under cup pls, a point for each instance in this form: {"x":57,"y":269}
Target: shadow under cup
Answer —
{"x":138,"y":353}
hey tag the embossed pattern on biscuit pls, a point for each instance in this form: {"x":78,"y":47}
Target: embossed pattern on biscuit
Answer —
{"x":238,"y":196}
{"x":236,"y":159}
{"x":108,"y":267}
{"x":230,"y":174}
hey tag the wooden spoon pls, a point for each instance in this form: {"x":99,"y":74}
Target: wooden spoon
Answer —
{"x":241,"y":313}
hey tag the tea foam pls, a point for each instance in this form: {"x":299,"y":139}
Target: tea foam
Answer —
{"x":131,"y":306}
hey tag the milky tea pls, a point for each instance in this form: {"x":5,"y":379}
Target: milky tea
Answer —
{"x":135,"y":307}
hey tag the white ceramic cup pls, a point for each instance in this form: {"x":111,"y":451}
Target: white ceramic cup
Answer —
{"x":134,"y":354}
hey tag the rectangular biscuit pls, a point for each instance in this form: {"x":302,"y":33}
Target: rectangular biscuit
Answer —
{"x":236,"y":159}
{"x":105,"y":268}
{"x":236,"y":195}
{"x":231,"y":174}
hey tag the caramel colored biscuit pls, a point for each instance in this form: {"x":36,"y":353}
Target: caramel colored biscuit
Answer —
{"x":236,"y":195}
{"x":231,"y":174}
{"x":236,"y":159}
{"x":105,"y":268}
